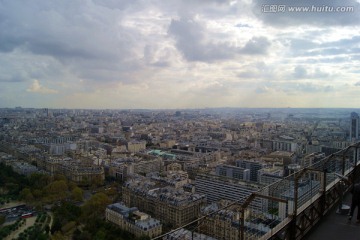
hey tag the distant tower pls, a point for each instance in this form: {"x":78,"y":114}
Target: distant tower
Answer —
{"x":45,"y":112}
{"x":354,"y":126}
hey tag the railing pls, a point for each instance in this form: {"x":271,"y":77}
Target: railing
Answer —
{"x":291,"y":206}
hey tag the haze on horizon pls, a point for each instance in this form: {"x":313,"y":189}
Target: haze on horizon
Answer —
{"x":123,"y":54}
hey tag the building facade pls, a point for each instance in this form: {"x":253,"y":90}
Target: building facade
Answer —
{"x":172,"y":206}
{"x":219,"y":188}
{"x":354,"y":126}
{"x":253,"y":165}
{"x":233,"y":172}
{"x":133,"y":221}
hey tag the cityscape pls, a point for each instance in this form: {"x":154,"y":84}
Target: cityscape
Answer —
{"x":159,"y":170}
{"x":179,"y":120}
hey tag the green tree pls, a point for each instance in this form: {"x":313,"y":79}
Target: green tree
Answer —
{"x":38,"y":194}
{"x":39,"y":180}
{"x":63,"y":214}
{"x":47,"y":229}
{"x":77,"y":194}
{"x":71,"y":185}
{"x":58,"y":236}
{"x":82,"y":235}
{"x":26,"y":195}
{"x":56,"y":225}
{"x":56,"y":190}
{"x":97,"y":181}
{"x":59,"y":177}
{"x":100,"y":234}
{"x":2,"y":219}
{"x":13,"y":187}
{"x":68,"y":227}
{"x":144,"y":238}
{"x":95,"y":206}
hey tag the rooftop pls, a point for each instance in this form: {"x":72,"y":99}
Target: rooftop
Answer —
{"x":133,"y":215}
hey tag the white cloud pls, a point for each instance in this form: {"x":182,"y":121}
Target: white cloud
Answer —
{"x":36,"y":87}
{"x":192,"y":53}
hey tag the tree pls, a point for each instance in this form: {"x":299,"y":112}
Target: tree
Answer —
{"x":78,"y":235}
{"x":39,"y":181}
{"x":71,"y":185}
{"x":96,"y":205}
{"x":56,"y":190}
{"x":59,"y":177}
{"x":2,"y":219}
{"x":143,"y":237}
{"x":24,"y":193}
{"x":97,"y":181}
{"x":65,"y":213}
{"x":56,"y":226}
{"x":100,"y":235}
{"x":58,"y":236}
{"x":68,"y":227}
{"x":77,"y":194}
{"x":13,"y":188}
{"x":37,"y":194}
{"x":47,"y":229}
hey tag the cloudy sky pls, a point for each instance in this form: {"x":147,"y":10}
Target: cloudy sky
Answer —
{"x":178,"y":54}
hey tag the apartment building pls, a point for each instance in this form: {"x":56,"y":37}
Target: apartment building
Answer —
{"x":172,"y":206}
{"x":253,"y":165}
{"x":74,"y":170}
{"x":184,"y":234}
{"x":223,"y":222}
{"x":217,"y":188}
{"x":233,"y":172}
{"x":136,"y":146}
{"x":133,"y":221}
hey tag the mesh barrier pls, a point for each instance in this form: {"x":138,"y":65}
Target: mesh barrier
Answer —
{"x":270,"y":208}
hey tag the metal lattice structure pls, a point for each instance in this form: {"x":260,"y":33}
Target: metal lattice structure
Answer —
{"x":291,"y":206}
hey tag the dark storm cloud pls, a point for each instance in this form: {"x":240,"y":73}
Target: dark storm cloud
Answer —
{"x":115,"y":4}
{"x":347,"y":42}
{"x":261,"y":8}
{"x":150,"y":57}
{"x":12,"y":78}
{"x":257,"y":70}
{"x":327,"y":60}
{"x":20,"y":67}
{"x":301,"y":72}
{"x":340,"y":51}
{"x":309,"y":87}
{"x":191,"y":41}
{"x":305,"y":87}
{"x":241,"y":25}
{"x":53,"y":31}
{"x":355,"y":57}
{"x":256,"y":46}
{"x":210,"y":9}
{"x":75,"y":33}
{"x":261,"y":89}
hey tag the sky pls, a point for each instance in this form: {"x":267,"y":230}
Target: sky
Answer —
{"x":124,"y":54}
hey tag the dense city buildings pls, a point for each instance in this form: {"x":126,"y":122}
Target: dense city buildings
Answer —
{"x":132,"y":220}
{"x":217,"y":188}
{"x":177,"y":166}
{"x":163,"y":200}
{"x":185,"y":234}
{"x":224,"y":222}
{"x":354,"y":126}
